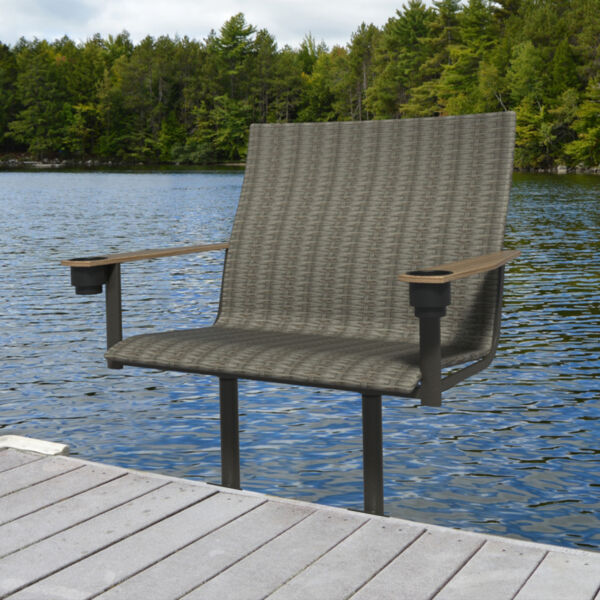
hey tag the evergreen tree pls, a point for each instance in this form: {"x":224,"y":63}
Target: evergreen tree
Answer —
{"x":263,"y":75}
{"x":309,"y":52}
{"x":458,"y":88}
{"x":525,"y":77}
{"x":326,"y":97}
{"x":182,"y":100}
{"x":234,"y":46}
{"x":8,"y":95}
{"x":535,"y":140}
{"x":361,"y":51}
{"x":398,"y":58}
{"x":288,"y":86}
{"x":43,"y":86}
{"x":585,"y":149}
{"x":444,"y":34}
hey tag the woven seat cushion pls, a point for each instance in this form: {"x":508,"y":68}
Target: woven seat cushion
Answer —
{"x":320,"y":360}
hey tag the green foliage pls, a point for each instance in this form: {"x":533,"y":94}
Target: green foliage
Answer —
{"x":8,"y":95}
{"x":444,"y":34}
{"x":586,"y":148}
{"x":309,"y":52}
{"x":535,"y":140}
{"x":399,"y":55}
{"x":326,"y":95}
{"x":44,"y":86}
{"x":525,"y":76}
{"x":359,"y":72}
{"x":187,"y":101}
{"x":458,"y":86}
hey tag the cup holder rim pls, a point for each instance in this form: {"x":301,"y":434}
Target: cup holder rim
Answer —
{"x":429,"y":272}
{"x":87,"y":258}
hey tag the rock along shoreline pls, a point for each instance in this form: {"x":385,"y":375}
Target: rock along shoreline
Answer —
{"x":25,"y":163}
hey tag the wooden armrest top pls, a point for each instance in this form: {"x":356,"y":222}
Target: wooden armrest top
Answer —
{"x":112,"y":259}
{"x":463,"y":268}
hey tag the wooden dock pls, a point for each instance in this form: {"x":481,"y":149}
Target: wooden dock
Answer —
{"x":72,"y":529}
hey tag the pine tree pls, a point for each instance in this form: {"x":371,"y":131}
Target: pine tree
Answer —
{"x":586,"y":148}
{"x":399,"y":54}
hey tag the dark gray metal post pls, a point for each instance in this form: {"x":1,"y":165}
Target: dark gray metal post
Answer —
{"x":430,"y":361}
{"x":372,"y":454}
{"x":230,"y":436}
{"x":430,"y":301}
{"x":114,"y":318}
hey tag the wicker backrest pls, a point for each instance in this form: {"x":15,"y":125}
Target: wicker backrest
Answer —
{"x":331,"y":213}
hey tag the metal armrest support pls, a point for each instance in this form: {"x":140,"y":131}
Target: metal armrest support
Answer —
{"x":89,"y":274}
{"x":430,"y":295}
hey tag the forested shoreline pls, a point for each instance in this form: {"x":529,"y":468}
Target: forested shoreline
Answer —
{"x":184,"y":101}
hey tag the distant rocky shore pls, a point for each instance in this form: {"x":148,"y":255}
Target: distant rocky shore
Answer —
{"x":57,"y":163}
{"x":28,"y":163}
{"x":23,"y":162}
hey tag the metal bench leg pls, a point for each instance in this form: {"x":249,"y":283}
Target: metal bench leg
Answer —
{"x":114,"y":319}
{"x":230,"y":437}
{"x":372,"y":454}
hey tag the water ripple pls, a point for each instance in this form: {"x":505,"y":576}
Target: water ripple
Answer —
{"x":514,"y":450}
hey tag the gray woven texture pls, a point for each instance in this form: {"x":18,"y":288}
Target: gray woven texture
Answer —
{"x":329,"y":215}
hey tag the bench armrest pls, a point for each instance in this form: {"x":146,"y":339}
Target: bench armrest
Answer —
{"x":429,"y":294}
{"x":90,"y":274}
{"x":113,"y":259}
{"x":460,"y":269}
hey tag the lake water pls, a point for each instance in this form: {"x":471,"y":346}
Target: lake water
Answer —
{"x":514,"y":450}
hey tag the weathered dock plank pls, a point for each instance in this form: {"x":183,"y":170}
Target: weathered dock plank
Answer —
{"x":359,"y":557}
{"x":75,"y":530}
{"x":33,"y":472}
{"x":564,"y":575}
{"x":9,"y":458}
{"x":431,"y":561}
{"x":107,"y":568}
{"x":45,"y":493}
{"x":44,"y":558}
{"x":497,"y":571}
{"x":195,"y":564}
{"x":275,"y":563}
{"x":61,"y":516}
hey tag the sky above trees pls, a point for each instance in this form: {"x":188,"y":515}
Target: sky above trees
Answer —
{"x":287,"y":20}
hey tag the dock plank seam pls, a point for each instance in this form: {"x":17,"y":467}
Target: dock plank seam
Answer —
{"x":531,"y":574}
{"x":308,"y":565}
{"x":98,"y":514}
{"x":35,"y":459}
{"x":243,"y":557}
{"x":458,"y":570}
{"x":97,"y":550}
{"x":328,"y":544}
{"x":49,"y":478}
{"x":387,"y":564}
{"x":59,"y":500}
{"x":179,"y":549}
{"x":34,"y":581}
{"x":164,"y":555}
{"x":216,"y":574}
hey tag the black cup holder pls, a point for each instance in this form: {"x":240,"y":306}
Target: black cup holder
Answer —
{"x":89,"y":280}
{"x":430,"y":273}
{"x":429,"y":299}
